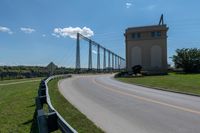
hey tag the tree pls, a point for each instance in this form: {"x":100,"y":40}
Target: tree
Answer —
{"x":188,"y":59}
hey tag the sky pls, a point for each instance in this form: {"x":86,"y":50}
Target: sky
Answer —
{"x":36,"y":32}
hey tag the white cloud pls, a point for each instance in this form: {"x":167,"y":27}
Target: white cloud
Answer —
{"x":27,"y":30}
{"x":128,"y":4}
{"x":53,"y":34}
{"x":151,"y":7}
{"x":94,"y":52}
{"x":43,"y":35}
{"x":72,"y":32}
{"x":6,"y":30}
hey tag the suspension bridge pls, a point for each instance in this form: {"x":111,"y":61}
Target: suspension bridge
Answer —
{"x":111,"y":60}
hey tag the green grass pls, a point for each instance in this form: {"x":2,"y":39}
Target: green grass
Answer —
{"x":75,"y":118}
{"x":17,"y":106}
{"x":18,"y":80}
{"x":185,"y":83}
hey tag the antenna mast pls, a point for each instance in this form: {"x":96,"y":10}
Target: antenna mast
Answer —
{"x":161,"y":22}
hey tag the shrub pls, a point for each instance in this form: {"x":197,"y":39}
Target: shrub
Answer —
{"x":136,"y":69}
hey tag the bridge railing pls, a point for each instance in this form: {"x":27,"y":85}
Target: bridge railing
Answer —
{"x":52,"y":120}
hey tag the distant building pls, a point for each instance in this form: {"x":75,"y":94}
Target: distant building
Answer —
{"x":147,"y":46}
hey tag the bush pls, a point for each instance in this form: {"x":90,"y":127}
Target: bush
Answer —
{"x":136,"y":69}
{"x":121,"y":74}
{"x":188,"y":59}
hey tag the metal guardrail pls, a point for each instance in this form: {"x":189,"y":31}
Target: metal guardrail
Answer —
{"x":51,"y":121}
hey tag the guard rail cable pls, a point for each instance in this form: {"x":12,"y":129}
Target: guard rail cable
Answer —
{"x":51,"y":121}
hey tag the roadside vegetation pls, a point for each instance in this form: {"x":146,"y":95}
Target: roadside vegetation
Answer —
{"x":184,"y":76}
{"x":74,"y":117}
{"x":19,"y":80}
{"x":184,"y":83}
{"x":17,"y":106}
{"x":187,"y":59}
{"x":20,"y":72}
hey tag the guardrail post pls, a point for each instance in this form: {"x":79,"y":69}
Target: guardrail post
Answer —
{"x":42,"y":92}
{"x":42,"y":122}
{"x":40,"y":100}
{"x":52,"y":121}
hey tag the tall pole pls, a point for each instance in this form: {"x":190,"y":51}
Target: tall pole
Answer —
{"x":98,"y":57}
{"x":115,"y":61}
{"x":112,"y":61}
{"x":78,"y":52}
{"x":104,"y":58}
{"x":90,"y":55}
{"x":109,"y":59}
{"x":118,"y":63}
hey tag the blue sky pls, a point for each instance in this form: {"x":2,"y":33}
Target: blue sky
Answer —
{"x":28,"y":34}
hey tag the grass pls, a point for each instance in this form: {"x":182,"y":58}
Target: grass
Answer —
{"x":74,"y":117}
{"x":183,"y":83}
{"x":17,"y":106}
{"x":18,"y":80}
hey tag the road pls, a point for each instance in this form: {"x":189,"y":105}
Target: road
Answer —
{"x":118,"y":107}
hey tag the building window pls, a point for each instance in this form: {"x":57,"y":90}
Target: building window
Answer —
{"x":133,"y":35}
{"x":152,"y":34}
{"x":155,"y":34}
{"x":158,"y":33}
{"x":136,"y":35}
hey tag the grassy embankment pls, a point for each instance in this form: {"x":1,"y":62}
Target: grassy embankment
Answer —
{"x":75,"y":118}
{"x":183,"y":83}
{"x":17,"y":105}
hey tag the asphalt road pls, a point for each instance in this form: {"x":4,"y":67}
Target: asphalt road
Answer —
{"x":118,"y":107}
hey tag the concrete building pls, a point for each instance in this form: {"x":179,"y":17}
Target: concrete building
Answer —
{"x":147,"y":46}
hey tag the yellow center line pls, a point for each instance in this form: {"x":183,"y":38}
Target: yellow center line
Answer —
{"x":108,"y":87}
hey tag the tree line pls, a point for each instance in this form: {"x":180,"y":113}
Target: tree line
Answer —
{"x":16,"y":72}
{"x":187,"y":59}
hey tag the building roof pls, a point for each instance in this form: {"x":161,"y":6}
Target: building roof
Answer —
{"x":147,"y":28}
